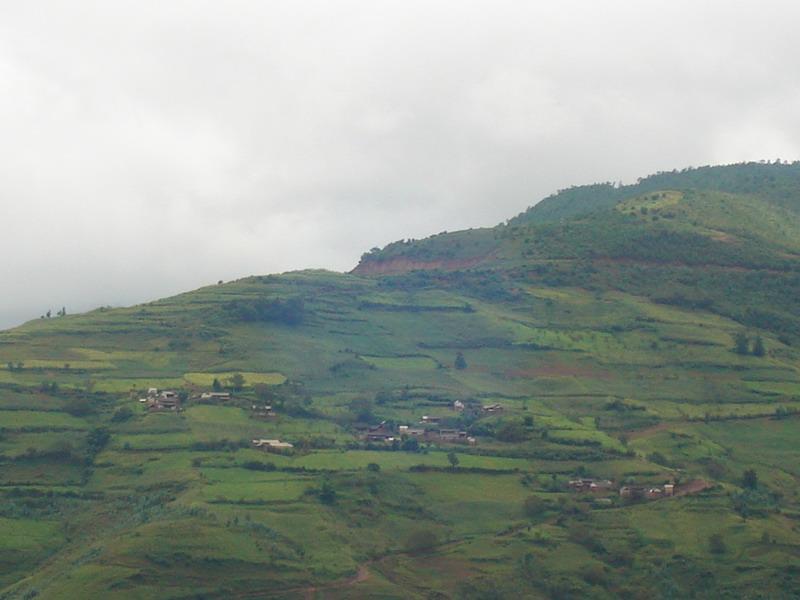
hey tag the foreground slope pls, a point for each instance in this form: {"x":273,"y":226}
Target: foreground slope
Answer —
{"x":621,"y":341}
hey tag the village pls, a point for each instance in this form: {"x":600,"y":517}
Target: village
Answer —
{"x":605,"y":487}
{"x":427,"y":430}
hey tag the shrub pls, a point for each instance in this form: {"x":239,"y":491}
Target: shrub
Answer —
{"x":122,"y":414}
{"x":533,"y":506}
{"x":420,"y":541}
{"x":290,"y":311}
{"x":326,"y":494}
{"x":750,"y":479}
{"x":716,"y":544}
{"x":79,"y":406}
{"x":255,"y":465}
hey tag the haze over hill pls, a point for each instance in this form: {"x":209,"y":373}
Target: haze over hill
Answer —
{"x":598,"y":398}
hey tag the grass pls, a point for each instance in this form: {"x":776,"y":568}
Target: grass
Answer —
{"x":608,"y":340}
{"x":250,"y":379}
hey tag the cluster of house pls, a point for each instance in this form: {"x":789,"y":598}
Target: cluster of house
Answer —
{"x":387,"y":434}
{"x":261,"y":411}
{"x":215,"y":396}
{"x":632,"y":492}
{"x":272,"y":445}
{"x":590,"y":485}
{"x":638,"y":492}
{"x":460,"y":406}
{"x":165,"y":400}
{"x":169,"y":400}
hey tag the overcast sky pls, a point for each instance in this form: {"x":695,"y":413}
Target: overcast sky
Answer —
{"x":150,"y":147}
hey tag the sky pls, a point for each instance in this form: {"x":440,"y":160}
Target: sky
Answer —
{"x":152,"y":147}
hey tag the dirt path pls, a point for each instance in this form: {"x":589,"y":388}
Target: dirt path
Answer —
{"x":633,"y":435}
{"x":361,"y":575}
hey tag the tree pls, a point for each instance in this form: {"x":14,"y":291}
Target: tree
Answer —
{"x":512,"y":431}
{"x":263,"y":392}
{"x":460,"y":362}
{"x":96,"y":440}
{"x":216,"y":385}
{"x":750,"y":479}
{"x":373,"y":467}
{"x":237,"y":382}
{"x":716,"y":544}
{"x":452,"y":458}
{"x":758,"y":347}
{"x":410,"y":445}
{"x":362,"y":409}
{"x":741,"y":343}
{"x":327,"y":495}
{"x":533,"y":506}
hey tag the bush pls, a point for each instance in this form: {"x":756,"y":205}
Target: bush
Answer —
{"x":122,"y":414}
{"x":534,"y":506}
{"x":512,"y":431}
{"x":420,"y":541}
{"x":290,"y":311}
{"x":326,"y":494}
{"x":79,"y":406}
{"x":254,"y":465}
{"x":716,"y":544}
{"x":750,"y":479}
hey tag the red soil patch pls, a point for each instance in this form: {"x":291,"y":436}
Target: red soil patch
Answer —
{"x":693,"y":487}
{"x":395,"y":266}
{"x":361,"y":575}
{"x":560,"y":370}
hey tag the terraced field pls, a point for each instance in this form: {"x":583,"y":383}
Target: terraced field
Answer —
{"x":607,"y":361}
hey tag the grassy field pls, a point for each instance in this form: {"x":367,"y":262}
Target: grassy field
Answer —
{"x":608,"y":343}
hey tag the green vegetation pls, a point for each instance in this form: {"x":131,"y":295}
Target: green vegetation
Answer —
{"x":642,"y":334}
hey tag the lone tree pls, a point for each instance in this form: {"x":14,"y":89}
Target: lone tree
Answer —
{"x":750,"y":479}
{"x":453,"y":460}
{"x":461,"y":362}
{"x":327,"y":495}
{"x":237,"y":382}
{"x":216,"y":385}
{"x":741,"y":343}
{"x":716,"y":544}
{"x":758,"y":347}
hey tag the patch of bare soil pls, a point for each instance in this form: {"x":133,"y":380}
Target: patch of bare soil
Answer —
{"x":693,"y":487}
{"x":560,"y":370}
{"x":395,"y":266}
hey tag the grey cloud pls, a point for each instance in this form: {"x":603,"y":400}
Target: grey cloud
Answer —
{"x":151,"y":147}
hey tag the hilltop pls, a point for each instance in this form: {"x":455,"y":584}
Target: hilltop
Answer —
{"x":644,"y":334}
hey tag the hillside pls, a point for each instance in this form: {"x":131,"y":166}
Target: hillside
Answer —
{"x":645,"y":335}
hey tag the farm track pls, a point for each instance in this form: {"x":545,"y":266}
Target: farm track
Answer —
{"x":308,"y":592}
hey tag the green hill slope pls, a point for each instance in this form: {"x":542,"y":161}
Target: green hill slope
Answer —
{"x":653,"y":339}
